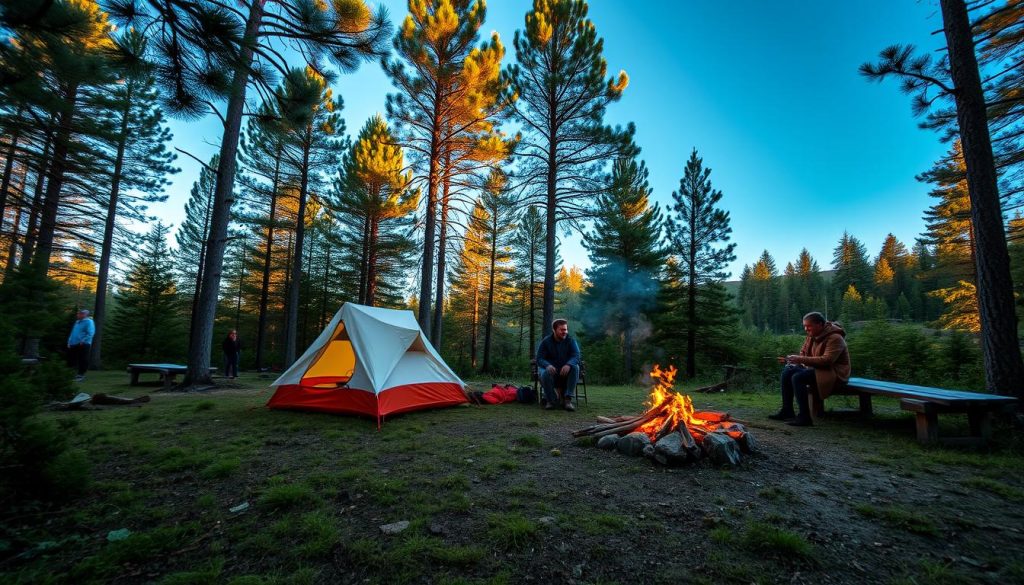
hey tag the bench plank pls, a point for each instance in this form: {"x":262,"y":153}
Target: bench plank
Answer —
{"x":940,"y":395}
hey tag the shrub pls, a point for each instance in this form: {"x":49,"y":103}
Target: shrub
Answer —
{"x":33,"y":452}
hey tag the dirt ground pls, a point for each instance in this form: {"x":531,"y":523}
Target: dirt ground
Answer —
{"x":503,"y":494}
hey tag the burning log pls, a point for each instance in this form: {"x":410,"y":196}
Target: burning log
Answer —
{"x":670,"y":431}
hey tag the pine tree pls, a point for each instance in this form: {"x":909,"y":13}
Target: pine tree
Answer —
{"x":315,"y":140}
{"x":448,"y":95}
{"x":763,"y":293}
{"x":851,"y":266}
{"x":957,"y":79}
{"x":264,"y":183}
{"x":145,"y":325}
{"x":375,"y":203}
{"x":468,"y":287}
{"x":528,"y":244}
{"x":191,"y":238}
{"x":141,"y":163}
{"x":698,"y":237}
{"x":204,"y":54}
{"x":72,"y":48}
{"x":626,"y":251}
{"x":559,"y":76}
{"x":496,"y":231}
{"x":569,"y":288}
{"x":949,"y":229}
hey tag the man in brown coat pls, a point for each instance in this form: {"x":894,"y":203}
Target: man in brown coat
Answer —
{"x":823,"y":362}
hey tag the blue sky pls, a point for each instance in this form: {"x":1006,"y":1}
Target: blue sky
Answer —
{"x":800,"y":144}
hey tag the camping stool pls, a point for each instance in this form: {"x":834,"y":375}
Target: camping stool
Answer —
{"x":581,"y":383}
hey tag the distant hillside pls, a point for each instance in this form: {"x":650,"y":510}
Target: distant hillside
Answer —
{"x":733,"y":286}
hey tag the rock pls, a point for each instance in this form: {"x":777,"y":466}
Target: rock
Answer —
{"x":546,"y":519}
{"x":239,"y":508}
{"x":720,"y":449}
{"x":436,"y":529}
{"x":116,"y":535}
{"x":648,"y":451}
{"x":672,"y":449}
{"x":395,"y":527}
{"x":607,"y":442}
{"x":633,"y":444}
{"x":747,"y":443}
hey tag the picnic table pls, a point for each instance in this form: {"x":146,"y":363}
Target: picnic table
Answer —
{"x":167,"y":372}
{"x":928,"y":403}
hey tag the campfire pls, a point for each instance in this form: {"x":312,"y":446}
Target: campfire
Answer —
{"x":670,"y":431}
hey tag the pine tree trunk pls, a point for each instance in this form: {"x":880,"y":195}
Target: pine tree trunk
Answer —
{"x":103,"y":272}
{"x":12,"y":250}
{"x":550,"y":241}
{"x":476,"y":322}
{"x":200,"y":344}
{"x":488,"y":324}
{"x":371,"y":277}
{"x":58,"y":166}
{"x":442,"y":242}
{"x":1004,"y":369}
{"x":261,"y":325}
{"x":364,"y":262}
{"x":292,"y":310}
{"x":323,"y":301}
{"x":430,"y":218}
{"x":533,"y":298}
{"x":197,"y":290}
{"x":241,"y":281}
{"x":5,"y":181}
{"x":31,"y":230}
{"x":691,"y":296}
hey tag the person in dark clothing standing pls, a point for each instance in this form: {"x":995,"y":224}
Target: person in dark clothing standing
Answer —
{"x":80,"y":343}
{"x":558,"y":359}
{"x":232,"y":349}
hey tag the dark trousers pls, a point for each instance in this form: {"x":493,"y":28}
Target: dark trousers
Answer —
{"x":80,"y":357}
{"x":549,"y":382}
{"x":798,"y":382}
{"x":231,"y":365}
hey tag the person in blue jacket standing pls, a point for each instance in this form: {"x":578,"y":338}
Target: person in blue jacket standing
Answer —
{"x":558,"y":359}
{"x":80,"y":343}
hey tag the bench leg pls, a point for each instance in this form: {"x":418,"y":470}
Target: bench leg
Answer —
{"x":980,"y":422}
{"x":865,"y":404}
{"x":168,"y":380}
{"x":927,"y":427}
{"x":135,"y":379}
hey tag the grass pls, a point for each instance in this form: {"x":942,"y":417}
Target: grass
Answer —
{"x":486,"y":500}
{"x":999,"y":488}
{"x":514,"y":529}
{"x":766,"y":539}
{"x":900,"y":517}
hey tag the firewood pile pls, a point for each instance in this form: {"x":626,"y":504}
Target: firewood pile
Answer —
{"x":671,"y":432}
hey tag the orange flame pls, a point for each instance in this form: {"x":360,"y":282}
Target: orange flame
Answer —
{"x":678,"y":407}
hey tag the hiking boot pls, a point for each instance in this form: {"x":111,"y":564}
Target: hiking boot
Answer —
{"x":782,"y":415}
{"x":549,"y":406}
{"x":801,"y":421}
{"x":569,"y":406}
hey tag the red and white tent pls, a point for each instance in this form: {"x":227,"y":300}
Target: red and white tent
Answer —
{"x":369,"y":361}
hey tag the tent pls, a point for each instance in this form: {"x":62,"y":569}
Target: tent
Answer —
{"x":370,"y":361}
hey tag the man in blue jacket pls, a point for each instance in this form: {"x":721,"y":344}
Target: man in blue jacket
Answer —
{"x":80,"y":343}
{"x":558,"y":359}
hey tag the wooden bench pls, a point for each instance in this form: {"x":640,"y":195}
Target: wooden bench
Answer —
{"x":167,"y":372}
{"x":927,"y":403}
{"x":581,"y":383}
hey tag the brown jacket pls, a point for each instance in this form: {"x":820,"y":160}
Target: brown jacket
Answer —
{"x":828,"y":355}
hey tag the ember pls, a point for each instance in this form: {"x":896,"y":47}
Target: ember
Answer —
{"x":670,"y":431}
